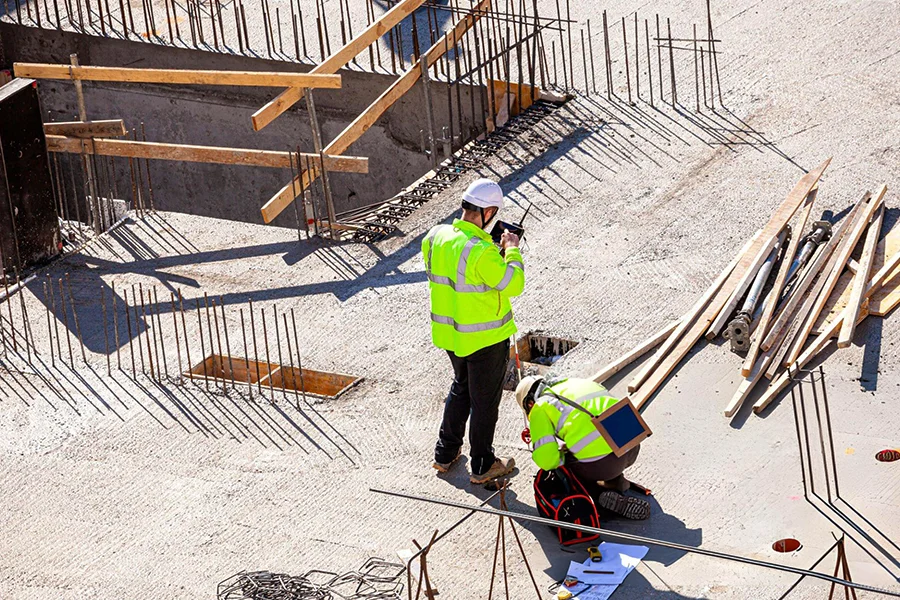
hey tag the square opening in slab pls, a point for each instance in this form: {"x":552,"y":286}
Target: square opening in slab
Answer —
{"x":230,"y":367}
{"x":318,"y":383}
{"x":241,"y":370}
{"x":538,"y":352}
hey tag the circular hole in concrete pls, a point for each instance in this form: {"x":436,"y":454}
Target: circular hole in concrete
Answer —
{"x":787,"y":545}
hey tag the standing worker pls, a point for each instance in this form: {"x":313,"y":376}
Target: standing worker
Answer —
{"x":471,"y":318}
{"x":553,"y":416}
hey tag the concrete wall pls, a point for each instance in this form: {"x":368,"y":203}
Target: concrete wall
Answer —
{"x":220,"y":116}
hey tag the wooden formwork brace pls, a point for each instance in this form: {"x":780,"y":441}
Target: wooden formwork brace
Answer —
{"x":368,"y":117}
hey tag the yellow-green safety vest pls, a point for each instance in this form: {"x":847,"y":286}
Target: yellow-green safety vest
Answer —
{"x":551,"y":419}
{"x":470,"y":286}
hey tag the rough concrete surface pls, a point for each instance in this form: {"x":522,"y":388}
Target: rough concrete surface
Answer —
{"x":115,"y":488}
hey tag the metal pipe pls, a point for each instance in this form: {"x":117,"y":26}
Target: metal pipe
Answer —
{"x":643,"y":540}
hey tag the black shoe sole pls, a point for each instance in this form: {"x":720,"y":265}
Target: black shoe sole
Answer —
{"x":636,"y":509}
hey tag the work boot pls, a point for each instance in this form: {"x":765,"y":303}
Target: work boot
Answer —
{"x":617,"y":484}
{"x":636,"y":509}
{"x":444,"y":467}
{"x":501,"y":467}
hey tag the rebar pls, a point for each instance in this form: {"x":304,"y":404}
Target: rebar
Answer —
{"x":162,"y":343}
{"x":227,"y":342}
{"x":177,"y":339}
{"x":130,"y":337}
{"x":105,"y":330}
{"x":116,"y":326}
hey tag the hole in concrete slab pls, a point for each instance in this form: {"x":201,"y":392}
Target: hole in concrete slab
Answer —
{"x":787,"y":545}
{"x":537,"y":353}
{"x":248,"y":372}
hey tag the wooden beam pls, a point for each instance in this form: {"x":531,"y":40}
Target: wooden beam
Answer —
{"x":634,"y":354}
{"x":688,"y":319}
{"x":741,"y":289}
{"x":87,"y":129}
{"x":819,"y":344}
{"x":866,"y":260}
{"x":204,"y":154}
{"x":747,"y":385}
{"x":780,"y":279}
{"x":776,"y":223}
{"x":176,"y":76}
{"x":826,"y":285}
{"x":333,"y":63}
{"x":364,"y":121}
{"x":778,"y":330}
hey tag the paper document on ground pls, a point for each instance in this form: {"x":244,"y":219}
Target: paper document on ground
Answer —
{"x":583,"y":572}
{"x":623,"y":554}
{"x":595,"y":592}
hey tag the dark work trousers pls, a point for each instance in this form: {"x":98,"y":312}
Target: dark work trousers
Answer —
{"x":476,"y":391}
{"x":606,"y":469}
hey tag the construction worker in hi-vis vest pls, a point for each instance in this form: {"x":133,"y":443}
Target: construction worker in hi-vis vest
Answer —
{"x":563,"y":435}
{"x":471,"y":318}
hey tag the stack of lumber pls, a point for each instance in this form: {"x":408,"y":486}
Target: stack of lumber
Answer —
{"x":799,"y":313}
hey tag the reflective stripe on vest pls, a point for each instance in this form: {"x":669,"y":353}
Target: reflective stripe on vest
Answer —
{"x":581,"y":444}
{"x":460,"y":284}
{"x":547,"y":439}
{"x":472,"y":327}
{"x":565,"y":409}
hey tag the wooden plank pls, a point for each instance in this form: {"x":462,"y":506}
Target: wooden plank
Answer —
{"x":823,"y":254}
{"x":634,"y":354}
{"x":741,"y":289}
{"x":205,"y":154}
{"x":776,"y":223}
{"x":778,"y":285}
{"x":364,"y":121}
{"x":176,"y":76}
{"x":833,"y":272}
{"x":747,"y":385}
{"x":689,"y":318}
{"x":333,"y":63}
{"x":87,"y":129}
{"x":823,"y":339}
{"x":882,"y":301}
{"x":862,"y":276}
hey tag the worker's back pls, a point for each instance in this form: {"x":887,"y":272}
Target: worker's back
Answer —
{"x":470,"y":286}
{"x":552,"y":418}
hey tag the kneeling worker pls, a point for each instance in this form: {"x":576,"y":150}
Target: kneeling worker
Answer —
{"x":551,"y":418}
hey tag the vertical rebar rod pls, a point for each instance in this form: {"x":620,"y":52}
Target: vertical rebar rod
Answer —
{"x":837,"y":489}
{"x":147,"y":167}
{"x":148,"y":327}
{"x":609,"y":81}
{"x":703,"y":75}
{"x":672,"y":62}
{"x":130,"y":337}
{"x":627,"y":68}
{"x":637,"y":63}
{"x":105,"y":331}
{"x":246,"y":354}
{"x":209,"y":332}
{"x":562,"y":48}
{"x":262,"y":314}
{"x":696,"y":70}
{"x":49,"y":327}
{"x":584,"y":62}
{"x":202,"y":345}
{"x":591,"y":53}
{"x":287,"y":335}
{"x":221,"y":360}
{"x":177,"y":339}
{"x":659,"y":59}
{"x":713,"y":59}
{"x":137,"y":330}
{"x":569,"y":35}
{"x":280,"y":358}
{"x":821,"y":431}
{"x":75,"y":318}
{"x":162,"y":341}
{"x":299,"y":360}
{"x":429,"y":110}
{"x":116,"y":326}
{"x":62,"y":302}
{"x":227,"y":341}
{"x":255,"y":349}
{"x":12,"y":326}
{"x":187,"y":344}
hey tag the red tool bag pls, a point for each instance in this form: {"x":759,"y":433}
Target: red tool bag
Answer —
{"x":560,"y":496}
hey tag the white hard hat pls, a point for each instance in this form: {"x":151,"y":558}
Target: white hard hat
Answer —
{"x":524,"y":388}
{"x":484,"y":193}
